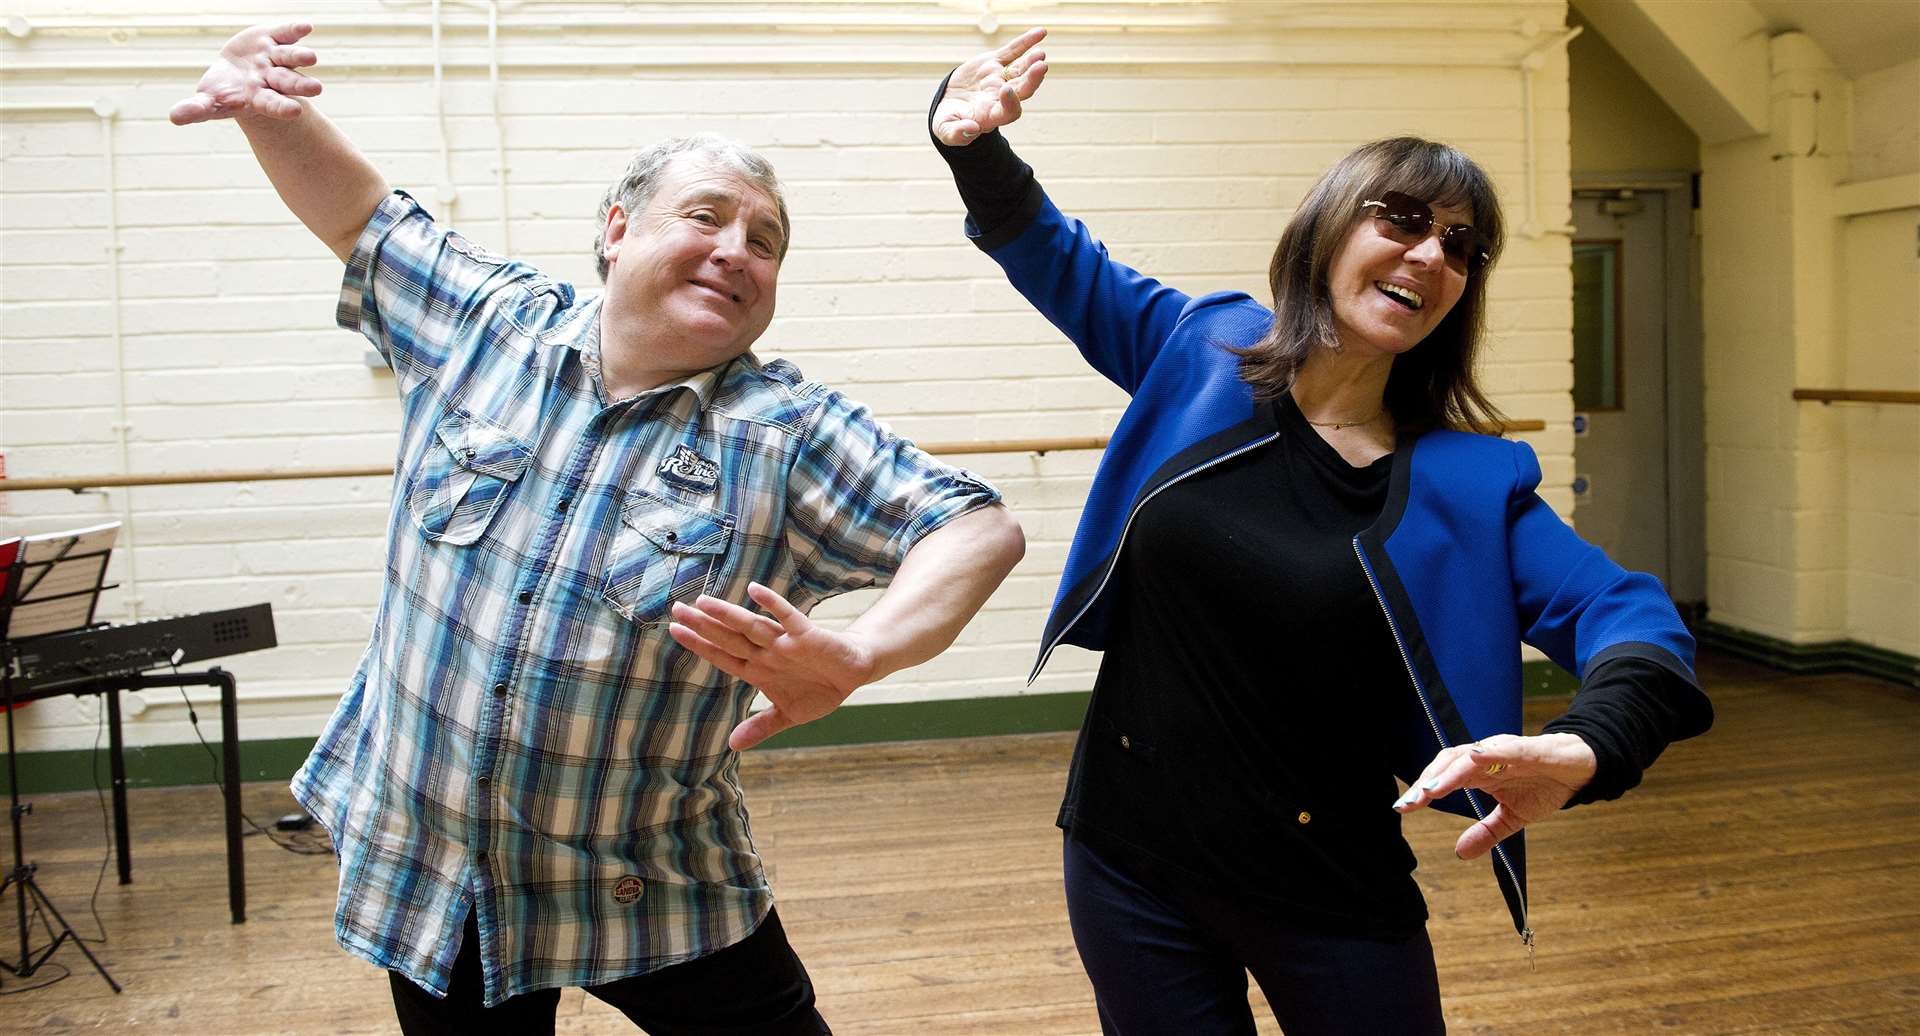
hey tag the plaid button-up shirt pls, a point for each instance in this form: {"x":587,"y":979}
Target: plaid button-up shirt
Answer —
{"x":522,"y":738}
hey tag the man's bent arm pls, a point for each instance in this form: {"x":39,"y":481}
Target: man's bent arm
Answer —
{"x":945,"y":578}
{"x":806,"y":671}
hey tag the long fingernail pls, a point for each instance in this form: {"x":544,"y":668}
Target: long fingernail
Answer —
{"x":1431,"y":786}
{"x":1477,"y":750}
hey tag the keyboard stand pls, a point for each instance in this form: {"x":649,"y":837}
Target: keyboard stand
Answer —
{"x":109,"y":687}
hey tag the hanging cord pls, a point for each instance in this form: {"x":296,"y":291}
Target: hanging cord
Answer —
{"x":311,"y":842}
{"x":106,"y":828}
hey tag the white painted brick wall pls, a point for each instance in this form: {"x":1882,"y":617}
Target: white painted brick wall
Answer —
{"x":1879,"y":291}
{"x":1185,"y":141}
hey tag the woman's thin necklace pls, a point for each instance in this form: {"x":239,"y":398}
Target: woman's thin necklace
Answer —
{"x":1337,"y":425}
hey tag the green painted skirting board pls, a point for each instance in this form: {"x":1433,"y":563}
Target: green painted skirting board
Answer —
{"x":154,"y":766}
{"x":1543,"y":679}
{"x":1833,"y":656}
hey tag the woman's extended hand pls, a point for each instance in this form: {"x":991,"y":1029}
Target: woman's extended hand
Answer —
{"x":255,"y":74}
{"x":805,"y":670}
{"x":985,"y":93}
{"x":1530,"y":777}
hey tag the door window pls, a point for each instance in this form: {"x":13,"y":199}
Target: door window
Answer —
{"x":1596,"y":325}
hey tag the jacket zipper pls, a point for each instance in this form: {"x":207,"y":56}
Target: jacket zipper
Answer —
{"x":1102,"y":588}
{"x":1526,"y":931}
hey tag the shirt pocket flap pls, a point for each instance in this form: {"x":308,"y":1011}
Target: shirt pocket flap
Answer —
{"x":482,"y":447}
{"x":673,"y":527}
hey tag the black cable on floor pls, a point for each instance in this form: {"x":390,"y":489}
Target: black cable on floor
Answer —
{"x":64,"y":973}
{"x":309,"y":846}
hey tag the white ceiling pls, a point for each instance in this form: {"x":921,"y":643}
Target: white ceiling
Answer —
{"x":1860,"y":36}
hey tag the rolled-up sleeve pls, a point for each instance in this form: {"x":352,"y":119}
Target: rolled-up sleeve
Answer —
{"x":412,"y":285}
{"x":859,"y":498}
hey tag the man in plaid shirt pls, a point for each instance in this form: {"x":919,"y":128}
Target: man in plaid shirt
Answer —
{"x":532,"y":779}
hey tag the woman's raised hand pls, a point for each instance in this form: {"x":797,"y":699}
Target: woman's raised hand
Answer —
{"x":985,"y":93}
{"x":254,"y":75}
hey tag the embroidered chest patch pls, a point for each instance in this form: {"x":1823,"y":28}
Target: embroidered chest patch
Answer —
{"x":690,"y":471}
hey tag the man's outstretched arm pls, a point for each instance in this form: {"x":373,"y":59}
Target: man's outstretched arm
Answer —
{"x":317,"y":171}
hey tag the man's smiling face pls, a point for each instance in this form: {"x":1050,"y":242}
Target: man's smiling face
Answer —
{"x":694,"y":272}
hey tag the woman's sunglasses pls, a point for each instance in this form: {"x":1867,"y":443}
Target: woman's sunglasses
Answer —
{"x":1412,"y":220}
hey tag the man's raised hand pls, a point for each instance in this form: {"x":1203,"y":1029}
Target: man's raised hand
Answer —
{"x":254,"y":75}
{"x":985,"y":93}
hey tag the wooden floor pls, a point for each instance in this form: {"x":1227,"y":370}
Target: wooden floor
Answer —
{"x":1765,"y":879}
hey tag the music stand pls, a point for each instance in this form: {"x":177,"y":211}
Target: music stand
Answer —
{"x":51,"y":595}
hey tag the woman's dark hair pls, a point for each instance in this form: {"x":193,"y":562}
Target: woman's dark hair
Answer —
{"x":1432,"y":385}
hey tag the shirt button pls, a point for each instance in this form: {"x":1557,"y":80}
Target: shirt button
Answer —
{"x":485,"y":780}
{"x":1125,"y":741}
{"x":499,"y":690}
{"x":672,"y":536}
{"x":561,"y":506}
{"x":526,"y":597}
{"x":1304,"y":817}
{"x":480,"y":857}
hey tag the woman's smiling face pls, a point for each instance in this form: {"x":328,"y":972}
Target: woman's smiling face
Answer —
{"x":1388,"y":296}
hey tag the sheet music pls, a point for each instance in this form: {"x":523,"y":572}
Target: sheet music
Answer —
{"x":58,"y":596}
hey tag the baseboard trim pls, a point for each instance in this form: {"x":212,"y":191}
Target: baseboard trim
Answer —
{"x":159,"y":766}
{"x":1543,"y":679}
{"x":931,"y":720}
{"x":1833,"y":656}
{"x":155,"y":766}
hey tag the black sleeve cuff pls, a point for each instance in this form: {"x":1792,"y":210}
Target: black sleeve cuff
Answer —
{"x":997,"y":188}
{"x":1628,"y":710}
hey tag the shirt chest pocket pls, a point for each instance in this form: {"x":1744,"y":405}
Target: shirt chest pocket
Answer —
{"x":664,"y":551}
{"x":470,"y":467}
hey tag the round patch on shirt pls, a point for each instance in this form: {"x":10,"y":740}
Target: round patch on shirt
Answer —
{"x":628,"y":889}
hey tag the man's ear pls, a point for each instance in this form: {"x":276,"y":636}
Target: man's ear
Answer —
{"x":613,"y":233}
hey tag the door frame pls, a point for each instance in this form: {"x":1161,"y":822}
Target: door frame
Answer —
{"x":1685,"y":378}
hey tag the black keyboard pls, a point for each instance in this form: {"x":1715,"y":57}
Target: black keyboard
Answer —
{"x":58,"y":659}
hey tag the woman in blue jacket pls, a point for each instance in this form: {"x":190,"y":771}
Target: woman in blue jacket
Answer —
{"x":1310,"y":566}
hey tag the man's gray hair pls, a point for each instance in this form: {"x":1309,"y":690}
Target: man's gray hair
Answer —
{"x":637,"y":185}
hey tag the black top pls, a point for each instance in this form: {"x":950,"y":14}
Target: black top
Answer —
{"x":1248,"y":668}
{"x":1251,"y":666}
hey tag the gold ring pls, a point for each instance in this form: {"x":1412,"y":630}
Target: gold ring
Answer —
{"x":1493,"y":769}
